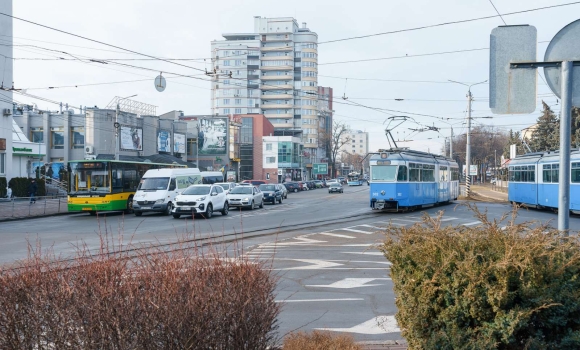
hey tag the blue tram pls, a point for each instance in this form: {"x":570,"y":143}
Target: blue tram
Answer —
{"x":401,"y":179}
{"x":533,"y":180}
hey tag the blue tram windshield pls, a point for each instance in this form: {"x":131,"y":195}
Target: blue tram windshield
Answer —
{"x":384,"y":173}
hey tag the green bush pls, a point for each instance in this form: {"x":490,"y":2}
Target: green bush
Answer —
{"x":3,"y":190}
{"x":485,"y":287}
{"x":19,"y":186}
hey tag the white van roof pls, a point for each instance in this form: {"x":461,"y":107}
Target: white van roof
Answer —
{"x":168,"y":172}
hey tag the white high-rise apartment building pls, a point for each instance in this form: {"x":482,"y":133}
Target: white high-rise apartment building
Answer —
{"x":273,"y":72}
{"x":359,"y":142}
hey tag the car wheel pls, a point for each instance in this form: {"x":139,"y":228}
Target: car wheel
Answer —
{"x":209,"y":211}
{"x":176,"y":216}
{"x":295,"y":190}
{"x":129,"y":208}
{"x":262,"y":204}
{"x":169,"y":208}
{"x":252,"y":205}
{"x":138,"y":213}
{"x":225,"y":210}
{"x":280,"y":200}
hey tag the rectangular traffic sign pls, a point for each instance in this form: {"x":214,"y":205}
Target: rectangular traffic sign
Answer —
{"x":512,"y":90}
{"x":319,"y":168}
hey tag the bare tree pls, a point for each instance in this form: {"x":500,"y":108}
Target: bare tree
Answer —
{"x":334,"y":141}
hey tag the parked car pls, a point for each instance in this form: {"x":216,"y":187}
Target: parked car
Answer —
{"x":292,"y":186}
{"x":255,"y":182}
{"x":303,"y":186}
{"x":271,"y":193}
{"x":311,"y":185}
{"x":335,"y":187}
{"x":331,"y":181}
{"x":201,"y":199}
{"x":318,"y":183}
{"x":227,"y":186}
{"x":246,"y":196}
{"x":284,"y":190}
{"x":342,"y":180}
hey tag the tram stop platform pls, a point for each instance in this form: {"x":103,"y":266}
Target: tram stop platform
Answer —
{"x":489,"y":193}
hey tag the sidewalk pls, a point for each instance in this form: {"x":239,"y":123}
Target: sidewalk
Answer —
{"x":20,"y":208}
{"x":489,"y":192}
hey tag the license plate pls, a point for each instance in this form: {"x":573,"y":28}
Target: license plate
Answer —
{"x":185,"y":208}
{"x":145,"y":207}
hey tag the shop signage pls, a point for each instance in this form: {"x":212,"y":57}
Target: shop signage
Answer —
{"x":21,"y":149}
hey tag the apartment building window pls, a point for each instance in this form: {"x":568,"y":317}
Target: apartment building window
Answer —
{"x":309,"y":74}
{"x":238,"y":101}
{"x":77,"y":136}
{"x":238,"y":111}
{"x":250,"y":102}
{"x":2,"y":163}
{"x":227,"y":82}
{"x":226,"y":111}
{"x":226,"y":101}
{"x":238,"y":63}
{"x":226,"y":62}
{"x":37,"y":135}
{"x":268,"y":147}
{"x":56,"y":138}
{"x":270,"y":160}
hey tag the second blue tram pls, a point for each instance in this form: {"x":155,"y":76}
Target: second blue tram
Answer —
{"x":534,"y":177}
{"x":401,"y":179}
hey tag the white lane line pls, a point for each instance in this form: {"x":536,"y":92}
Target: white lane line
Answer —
{"x":354,"y":230}
{"x":371,"y":226}
{"x":413,"y":221}
{"x":310,"y":300}
{"x":448,"y":219}
{"x":365,"y":253}
{"x":472,"y":223}
{"x":356,"y":245}
{"x":335,"y":235}
{"x":349,"y":283}
{"x":377,"y":325}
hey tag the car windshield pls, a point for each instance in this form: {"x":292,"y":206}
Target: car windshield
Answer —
{"x":197,"y":190}
{"x":225,"y":186}
{"x":242,"y":190}
{"x":335,"y":185}
{"x":153,"y":183}
{"x":267,"y":187}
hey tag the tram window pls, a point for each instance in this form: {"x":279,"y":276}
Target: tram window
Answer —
{"x":402,"y":173}
{"x":575,"y":178}
{"x":427,"y":175}
{"x":454,"y":174}
{"x":414,"y":174}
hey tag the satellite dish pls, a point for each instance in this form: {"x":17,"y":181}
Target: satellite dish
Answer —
{"x":160,"y":83}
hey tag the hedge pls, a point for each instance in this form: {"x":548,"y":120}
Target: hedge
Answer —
{"x":485,"y":287}
{"x":155,"y":300}
{"x":19,"y":186}
{"x":3,"y":189}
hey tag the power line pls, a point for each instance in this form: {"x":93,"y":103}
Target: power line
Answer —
{"x":497,"y":12}
{"x":406,"y":56}
{"x":448,"y":23}
{"x":97,"y":41}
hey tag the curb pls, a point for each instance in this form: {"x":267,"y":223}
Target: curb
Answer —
{"x":32,"y":217}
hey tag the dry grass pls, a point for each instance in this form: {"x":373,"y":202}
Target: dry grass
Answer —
{"x":318,"y":340}
{"x":182,"y":299}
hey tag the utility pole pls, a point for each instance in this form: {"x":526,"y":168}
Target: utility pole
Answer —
{"x":468,"y":145}
{"x":451,"y":145}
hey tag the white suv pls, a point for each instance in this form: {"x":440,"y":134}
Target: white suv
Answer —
{"x":201,"y":199}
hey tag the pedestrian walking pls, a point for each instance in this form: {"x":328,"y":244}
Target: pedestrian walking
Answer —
{"x":49,"y":174}
{"x":32,"y":189}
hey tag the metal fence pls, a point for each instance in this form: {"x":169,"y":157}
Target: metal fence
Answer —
{"x":20,"y":207}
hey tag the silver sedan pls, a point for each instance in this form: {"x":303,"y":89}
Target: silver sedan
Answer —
{"x":246,"y":197}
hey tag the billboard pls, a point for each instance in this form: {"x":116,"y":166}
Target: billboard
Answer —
{"x":131,"y":138}
{"x":212,"y":137}
{"x":164,"y":141}
{"x":179,"y":143}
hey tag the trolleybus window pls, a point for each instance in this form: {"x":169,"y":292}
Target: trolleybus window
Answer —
{"x":402,"y":173}
{"x":575,"y":178}
{"x":384,"y":172}
{"x":92,"y":176}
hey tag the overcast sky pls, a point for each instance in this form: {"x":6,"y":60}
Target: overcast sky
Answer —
{"x":183,"y":29}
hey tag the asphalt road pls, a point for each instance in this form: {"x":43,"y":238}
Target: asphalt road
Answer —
{"x":321,"y":246}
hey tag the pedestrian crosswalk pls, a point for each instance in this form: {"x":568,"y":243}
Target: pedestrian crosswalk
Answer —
{"x":236,"y":214}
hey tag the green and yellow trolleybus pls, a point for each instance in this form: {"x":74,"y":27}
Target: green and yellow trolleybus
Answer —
{"x":106,"y":185}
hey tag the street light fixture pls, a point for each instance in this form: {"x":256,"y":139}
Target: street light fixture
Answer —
{"x":468,"y":145}
{"x":117,"y":125}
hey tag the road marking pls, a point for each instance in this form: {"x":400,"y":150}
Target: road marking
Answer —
{"x":413,"y":221}
{"x":314,"y":264}
{"x":472,"y":223}
{"x":371,"y":226}
{"x":448,"y":219}
{"x":335,"y":235}
{"x":354,"y":230}
{"x":366,"y":253}
{"x":377,"y":325}
{"x":349,"y":283}
{"x":309,"y":300}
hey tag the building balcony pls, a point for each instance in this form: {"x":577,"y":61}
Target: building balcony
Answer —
{"x":276,"y":96}
{"x":277,"y":77}
{"x":281,"y":116}
{"x":283,"y":125}
{"x":279,"y":106}
{"x":277,"y":48}
{"x":280,"y":37}
{"x":276,"y":87}
{"x":274,"y":68}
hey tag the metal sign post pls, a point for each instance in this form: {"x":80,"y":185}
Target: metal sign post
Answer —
{"x":562,"y":54}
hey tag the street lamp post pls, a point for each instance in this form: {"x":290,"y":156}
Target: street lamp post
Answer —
{"x":468,"y":145}
{"x":117,"y":126}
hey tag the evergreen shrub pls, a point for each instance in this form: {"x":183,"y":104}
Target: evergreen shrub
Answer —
{"x":485,"y":287}
{"x":3,"y":185}
{"x":19,"y":186}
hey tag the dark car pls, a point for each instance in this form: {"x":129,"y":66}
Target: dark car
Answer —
{"x":342,"y":180}
{"x":271,"y":193}
{"x":254,"y":182}
{"x":311,"y":185}
{"x":335,"y":187}
{"x":292,"y":186}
